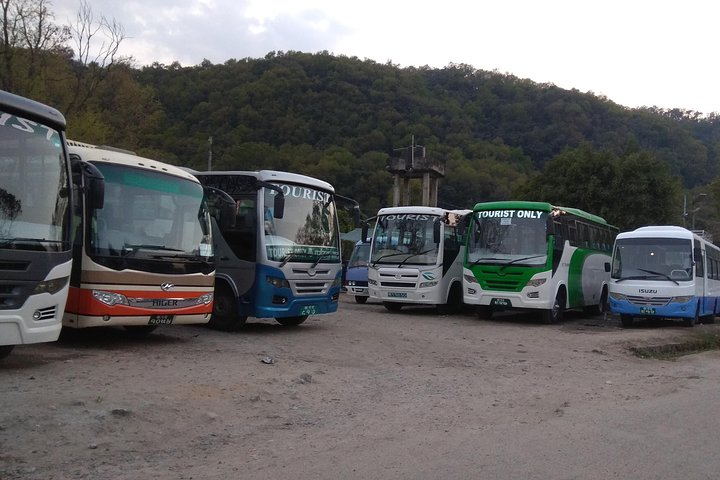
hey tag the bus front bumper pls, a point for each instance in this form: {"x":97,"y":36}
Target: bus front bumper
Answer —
{"x":670,"y":310}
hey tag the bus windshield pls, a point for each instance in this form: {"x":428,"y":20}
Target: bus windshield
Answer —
{"x":359,"y":256}
{"x":150,"y":214}
{"x":405,"y":239}
{"x":308,"y":230}
{"x":34,"y":198}
{"x":508,"y":236}
{"x":657,"y":259}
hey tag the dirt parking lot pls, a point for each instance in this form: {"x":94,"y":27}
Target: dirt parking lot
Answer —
{"x":363,"y":394}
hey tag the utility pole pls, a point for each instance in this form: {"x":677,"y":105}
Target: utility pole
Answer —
{"x":210,"y":154}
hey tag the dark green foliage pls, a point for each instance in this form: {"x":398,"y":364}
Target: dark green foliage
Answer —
{"x":340,"y":118}
{"x":630,"y":191}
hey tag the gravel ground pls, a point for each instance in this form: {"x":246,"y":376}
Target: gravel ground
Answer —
{"x":363,"y":394}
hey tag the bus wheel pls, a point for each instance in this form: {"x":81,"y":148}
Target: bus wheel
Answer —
{"x":626,"y":321}
{"x":5,"y":350}
{"x":291,"y":321}
{"x":359,"y":299}
{"x":689,"y":322}
{"x":454,"y":301}
{"x":484,"y":312}
{"x":140,"y":329}
{"x":392,"y":306}
{"x":555,"y":314}
{"x":225,"y":315}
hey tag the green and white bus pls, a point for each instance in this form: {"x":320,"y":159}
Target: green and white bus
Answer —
{"x":534,"y":255}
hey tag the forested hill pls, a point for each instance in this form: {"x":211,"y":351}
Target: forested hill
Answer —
{"x":339,"y":118}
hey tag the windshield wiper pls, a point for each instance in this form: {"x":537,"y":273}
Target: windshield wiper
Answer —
{"x":128,"y":249}
{"x":414,"y":255}
{"x":4,"y":242}
{"x":386,"y":256}
{"x":520,"y":260}
{"x":320,"y":257}
{"x":659,"y":274}
{"x":482,"y":259}
{"x":286,"y":259}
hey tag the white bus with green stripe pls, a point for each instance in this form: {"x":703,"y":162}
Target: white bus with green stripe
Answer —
{"x":536,"y":256}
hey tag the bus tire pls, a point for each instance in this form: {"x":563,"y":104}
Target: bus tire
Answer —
{"x":626,"y":321}
{"x":453,"y":303}
{"x":691,"y":321}
{"x":140,"y":329}
{"x":291,"y":321}
{"x":359,"y":299}
{"x":555,"y":314}
{"x":5,"y":350}
{"x":225,"y":314}
{"x":392,"y":306}
{"x":484,"y":312}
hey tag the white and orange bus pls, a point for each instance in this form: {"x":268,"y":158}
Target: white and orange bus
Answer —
{"x":146,"y":258}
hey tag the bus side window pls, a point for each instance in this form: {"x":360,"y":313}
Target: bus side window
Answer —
{"x":699,"y":264}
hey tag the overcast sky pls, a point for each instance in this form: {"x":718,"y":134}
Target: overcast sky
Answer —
{"x":635,"y":52}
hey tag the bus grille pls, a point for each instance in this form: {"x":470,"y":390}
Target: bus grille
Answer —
{"x":311,"y":287}
{"x":507,"y":281}
{"x":398,"y":279}
{"x":398,"y":284}
{"x":654,"y":301}
{"x":12,"y":296}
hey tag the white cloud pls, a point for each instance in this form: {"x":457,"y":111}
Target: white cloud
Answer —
{"x":636,"y":53}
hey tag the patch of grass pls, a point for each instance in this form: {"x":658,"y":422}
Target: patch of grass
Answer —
{"x":699,"y":342}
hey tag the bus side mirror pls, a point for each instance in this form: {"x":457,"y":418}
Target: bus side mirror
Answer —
{"x":278,"y":202}
{"x":436,"y":231}
{"x":94,"y":182}
{"x":279,"y":206}
{"x":364,"y":232}
{"x":607,"y":267}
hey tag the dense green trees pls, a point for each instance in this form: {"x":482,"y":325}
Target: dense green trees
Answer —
{"x":341,"y":118}
{"x":630,"y":190}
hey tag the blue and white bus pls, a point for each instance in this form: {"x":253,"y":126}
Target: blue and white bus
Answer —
{"x":278,"y":247}
{"x":664,"y":271}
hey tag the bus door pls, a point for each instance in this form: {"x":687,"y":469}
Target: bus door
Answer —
{"x":236,"y":243}
{"x":700,"y":274}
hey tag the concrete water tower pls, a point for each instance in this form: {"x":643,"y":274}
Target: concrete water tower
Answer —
{"x":413,"y":163}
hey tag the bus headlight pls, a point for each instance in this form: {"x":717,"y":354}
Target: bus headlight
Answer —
{"x":337,"y":283}
{"x":204,"y":299}
{"x":536,"y":282}
{"x":428,"y":284}
{"x":277,"y":282}
{"x":110,"y":298}
{"x":684,"y":299}
{"x":372,"y":282}
{"x":619,"y":297}
{"x":470,"y":278}
{"x":51,"y":286}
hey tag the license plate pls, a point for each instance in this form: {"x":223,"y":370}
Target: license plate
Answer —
{"x":500,"y":302}
{"x":397,"y":294}
{"x":647,"y":310}
{"x":309,"y":310}
{"x":161,"y":319}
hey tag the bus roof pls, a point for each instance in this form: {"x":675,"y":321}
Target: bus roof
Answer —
{"x":658,"y":231}
{"x":273,"y":176}
{"x":419,"y":209}
{"x":25,"y":107}
{"x":541,"y":206}
{"x":93,"y":153}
